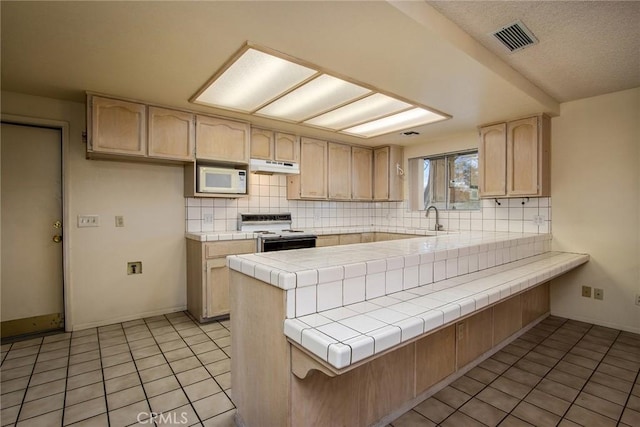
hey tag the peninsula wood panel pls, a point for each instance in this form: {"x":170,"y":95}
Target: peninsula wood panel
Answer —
{"x":171,"y":134}
{"x":535,"y":303}
{"x":320,"y":401}
{"x":222,"y":140}
{"x":507,"y":319}
{"x":260,"y":390}
{"x":339,"y":174}
{"x":435,"y":358}
{"x":118,"y":127}
{"x":492,"y":154}
{"x":262,"y":144}
{"x":362,"y":173}
{"x":474,"y":336}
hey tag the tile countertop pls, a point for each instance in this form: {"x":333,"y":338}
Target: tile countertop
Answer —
{"x":395,"y":290}
{"x":212,"y":236}
{"x":314,"y":266}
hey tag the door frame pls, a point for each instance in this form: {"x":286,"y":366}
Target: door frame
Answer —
{"x":63,"y":127}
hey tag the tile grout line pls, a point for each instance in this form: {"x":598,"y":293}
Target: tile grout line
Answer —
{"x":510,"y":413}
{"x":66,"y":380}
{"x":133,"y":359}
{"x":26,"y":388}
{"x":104,"y":382}
{"x":553,"y":367}
{"x":590,"y":376}
{"x":171,"y":367}
{"x":626,"y":403}
{"x":501,"y":375}
{"x":220,"y":348}
{"x":489,"y":384}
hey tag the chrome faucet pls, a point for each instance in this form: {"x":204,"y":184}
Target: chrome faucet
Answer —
{"x":438,"y":226}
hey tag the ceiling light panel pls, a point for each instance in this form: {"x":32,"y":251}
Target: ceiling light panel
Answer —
{"x":396,"y":122}
{"x":369,"y":108}
{"x":253,"y":80}
{"x":314,"y":97}
{"x":266,"y":83}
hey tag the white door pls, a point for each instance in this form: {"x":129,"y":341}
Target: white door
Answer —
{"x":32,"y":272}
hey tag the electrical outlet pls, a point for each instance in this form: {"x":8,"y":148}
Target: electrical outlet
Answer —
{"x":119,"y":221}
{"x":208,"y":218}
{"x":134,"y":267}
{"x":538,"y":220}
{"x":586,"y":291}
{"x":637,"y":299}
{"x":88,"y":221}
{"x":598,"y":294}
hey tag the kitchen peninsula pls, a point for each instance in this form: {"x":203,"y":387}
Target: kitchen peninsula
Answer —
{"x":357,"y":334}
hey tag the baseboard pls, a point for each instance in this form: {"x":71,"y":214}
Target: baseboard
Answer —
{"x":121,"y":319}
{"x":627,"y":328}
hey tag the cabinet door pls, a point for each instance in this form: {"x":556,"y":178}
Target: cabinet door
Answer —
{"x":262,"y":146}
{"x":474,"y":336}
{"x":287,"y":148}
{"x":313,"y":169}
{"x":361,"y":170}
{"x":492,"y":157}
{"x":339,"y":175}
{"x":381,"y":173}
{"x":118,"y":127}
{"x":216,"y":293}
{"x":350,"y":239}
{"x":522,"y":157}
{"x":223,"y":140}
{"x":171,"y":134}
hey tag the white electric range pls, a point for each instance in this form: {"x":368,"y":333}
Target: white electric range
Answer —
{"x":275,"y":232}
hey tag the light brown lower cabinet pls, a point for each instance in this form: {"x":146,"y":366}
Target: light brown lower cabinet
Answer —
{"x":208,"y":276}
{"x":351,"y":238}
{"x":286,"y":386}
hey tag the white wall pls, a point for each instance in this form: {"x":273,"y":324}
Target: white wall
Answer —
{"x":596,"y":206}
{"x":149,"y":196}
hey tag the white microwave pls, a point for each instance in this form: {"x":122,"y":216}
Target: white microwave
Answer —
{"x":212,"y":179}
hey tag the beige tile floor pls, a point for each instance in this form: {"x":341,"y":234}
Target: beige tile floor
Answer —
{"x":560,"y":373}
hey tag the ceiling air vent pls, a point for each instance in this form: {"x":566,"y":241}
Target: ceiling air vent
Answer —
{"x":515,"y":36}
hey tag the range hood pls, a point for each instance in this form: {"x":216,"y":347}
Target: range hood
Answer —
{"x":270,"y":167}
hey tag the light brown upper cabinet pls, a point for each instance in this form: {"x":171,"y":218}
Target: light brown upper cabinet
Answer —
{"x":492,"y":153}
{"x":339,"y":171}
{"x":262,"y":144}
{"x":287,"y":148}
{"x":361,"y":173}
{"x":222,"y":140}
{"x":312,"y":181}
{"x":514,"y":158}
{"x":269,"y":145}
{"x":171,"y":134}
{"x":387,"y":172}
{"x":116,"y":127}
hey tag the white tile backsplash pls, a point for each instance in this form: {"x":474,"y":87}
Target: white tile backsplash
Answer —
{"x":268,"y":195}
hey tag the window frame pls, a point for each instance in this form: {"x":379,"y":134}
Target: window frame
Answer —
{"x":417,"y":182}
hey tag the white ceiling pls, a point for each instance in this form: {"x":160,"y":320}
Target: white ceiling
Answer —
{"x":585,"y":48}
{"x":163,"y":52}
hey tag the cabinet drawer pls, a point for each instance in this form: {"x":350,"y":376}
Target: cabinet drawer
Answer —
{"x":231,"y":247}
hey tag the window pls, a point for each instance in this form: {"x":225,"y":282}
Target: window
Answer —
{"x":450,"y":182}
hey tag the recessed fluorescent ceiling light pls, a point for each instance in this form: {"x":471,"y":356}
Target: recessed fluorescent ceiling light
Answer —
{"x":266,"y":83}
{"x":315,"y":97}
{"x":406,"y":119}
